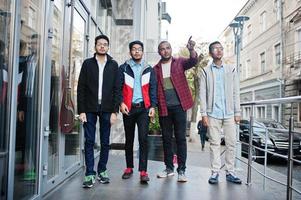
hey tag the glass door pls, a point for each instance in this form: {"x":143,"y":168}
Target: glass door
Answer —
{"x":77,"y":55}
{"x":65,"y":53}
{"x":26,"y":176}
{"x":5,"y":70}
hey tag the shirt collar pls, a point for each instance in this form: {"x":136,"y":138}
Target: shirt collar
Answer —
{"x":106,"y":58}
{"x":132,"y":63}
{"x":214,"y":65}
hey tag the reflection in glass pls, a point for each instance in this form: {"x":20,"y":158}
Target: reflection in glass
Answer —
{"x":53,"y":150}
{"x":26,"y":162}
{"x":72,"y":145}
{"x":5,"y":28}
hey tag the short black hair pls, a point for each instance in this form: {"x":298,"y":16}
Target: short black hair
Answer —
{"x":162,"y":42}
{"x":102,"y":37}
{"x":211,"y":45}
{"x":136,"y":42}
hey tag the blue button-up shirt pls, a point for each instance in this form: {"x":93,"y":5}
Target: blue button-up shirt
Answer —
{"x":137,"y":69}
{"x":219,"y":105}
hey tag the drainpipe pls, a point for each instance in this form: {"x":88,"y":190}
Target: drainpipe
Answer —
{"x":282,"y":40}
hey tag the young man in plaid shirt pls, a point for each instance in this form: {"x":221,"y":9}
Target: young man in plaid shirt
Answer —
{"x":174,"y":99}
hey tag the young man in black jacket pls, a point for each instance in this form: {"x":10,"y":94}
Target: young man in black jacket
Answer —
{"x":96,"y":96}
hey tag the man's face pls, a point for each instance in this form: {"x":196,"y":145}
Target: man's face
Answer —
{"x":102,"y":47}
{"x":217,"y":51}
{"x":165,"y":51}
{"x":136,"y":52}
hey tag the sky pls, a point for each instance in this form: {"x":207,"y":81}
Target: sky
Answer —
{"x":204,"y":20}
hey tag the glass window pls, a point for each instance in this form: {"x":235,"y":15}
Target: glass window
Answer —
{"x":247,"y":70}
{"x":5,"y":49}
{"x":30,"y":69}
{"x":249,"y":32}
{"x":298,"y":42}
{"x":277,"y":9}
{"x":299,"y":109}
{"x":263,"y":21}
{"x":260,"y":112}
{"x":92,"y":36}
{"x":277,"y":55}
{"x":56,"y":71}
{"x":246,"y":112}
{"x":72,"y":139}
{"x":276,"y":112}
{"x":262,"y":62}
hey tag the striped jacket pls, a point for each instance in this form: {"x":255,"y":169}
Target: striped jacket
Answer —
{"x":126,"y":86}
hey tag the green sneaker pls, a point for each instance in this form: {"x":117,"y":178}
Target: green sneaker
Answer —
{"x":29,"y":176}
{"x":89,"y":181}
{"x":103,"y":177}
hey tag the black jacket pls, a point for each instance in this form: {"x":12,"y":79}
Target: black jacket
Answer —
{"x":87,"y":89}
{"x":201,"y":128}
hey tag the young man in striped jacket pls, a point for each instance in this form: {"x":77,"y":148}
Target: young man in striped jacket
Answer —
{"x":137,"y":96}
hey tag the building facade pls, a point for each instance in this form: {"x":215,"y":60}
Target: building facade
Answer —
{"x":42,"y":47}
{"x":260,"y":64}
{"x":292,"y":55}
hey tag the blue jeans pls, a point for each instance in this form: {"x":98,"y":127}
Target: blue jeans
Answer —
{"x":104,"y":130}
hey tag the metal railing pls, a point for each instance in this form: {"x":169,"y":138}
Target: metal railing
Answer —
{"x":289,"y":157}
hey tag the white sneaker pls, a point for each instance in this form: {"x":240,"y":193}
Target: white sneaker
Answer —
{"x":165,"y":173}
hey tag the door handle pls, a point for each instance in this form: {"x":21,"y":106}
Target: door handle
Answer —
{"x":47,"y":131}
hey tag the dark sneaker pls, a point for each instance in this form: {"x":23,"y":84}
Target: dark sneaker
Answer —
{"x":103,"y":177}
{"x":181,"y":177}
{"x":213,"y":178}
{"x":144,"y":177}
{"x":165,"y":173}
{"x":89,"y":181}
{"x":230,"y":177}
{"x":128,"y":172}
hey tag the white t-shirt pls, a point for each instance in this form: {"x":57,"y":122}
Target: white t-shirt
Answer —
{"x":166,"y":69}
{"x":101,"y":67}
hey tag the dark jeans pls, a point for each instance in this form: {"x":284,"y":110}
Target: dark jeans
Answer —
{"x":174,"y":122}
{"x":104,"y":130}
{"x":140,"y":117}
{"x":203,"y":138}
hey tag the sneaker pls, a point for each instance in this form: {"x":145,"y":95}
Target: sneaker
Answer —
{"x":182,"y":177}
{"x":89,"y":181}
{"x":213,"y":178}
{"x":144,"y":177}
{"x":128,"y":172}
{"x":29,"y":176}
{"x":103,"y":177}
{"x":230,"y":177}
{"x":165,"y":173}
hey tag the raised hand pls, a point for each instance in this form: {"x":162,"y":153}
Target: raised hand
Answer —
{"x":190,"y":44}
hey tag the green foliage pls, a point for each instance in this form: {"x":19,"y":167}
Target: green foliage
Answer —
{"x":154,"y":128}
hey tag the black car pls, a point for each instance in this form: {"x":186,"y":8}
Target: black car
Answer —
{"x":277,"y":139}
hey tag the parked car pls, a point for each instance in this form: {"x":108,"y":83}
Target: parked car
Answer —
{"x":277,"y":140}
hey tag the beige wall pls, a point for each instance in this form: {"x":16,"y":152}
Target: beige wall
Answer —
{"x":256,"y":42}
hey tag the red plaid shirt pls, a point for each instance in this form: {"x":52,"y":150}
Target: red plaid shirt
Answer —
{"x":178,"y":79}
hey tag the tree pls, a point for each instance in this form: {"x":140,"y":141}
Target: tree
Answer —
{"x":193,"y":78}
